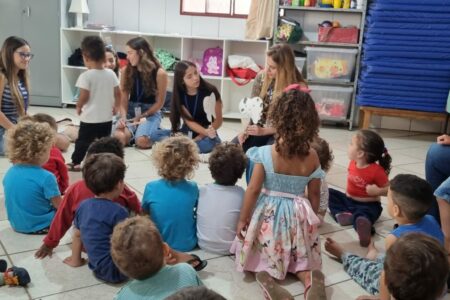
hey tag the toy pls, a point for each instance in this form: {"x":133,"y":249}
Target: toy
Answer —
{"x":331,"y":108}
{"x":337,"y":3}
{"x":13,"y":276}
{"x":326,"y":24}
{"x":251,"y":108}
{"x":328,"y":68}
{"x":326,"y":3}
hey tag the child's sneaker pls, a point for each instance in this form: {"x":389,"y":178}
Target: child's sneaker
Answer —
{"x":364,"y":230}
{"x":344,"y":218}
{"x":272,"y":290}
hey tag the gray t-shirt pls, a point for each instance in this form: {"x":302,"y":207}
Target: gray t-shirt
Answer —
{"x":217,"y":216}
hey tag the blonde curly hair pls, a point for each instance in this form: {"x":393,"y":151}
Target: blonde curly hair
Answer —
{"x":28,"y":141}
{"x":176,"y":158}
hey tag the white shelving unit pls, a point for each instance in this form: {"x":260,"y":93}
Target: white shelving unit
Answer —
{"x":180,"y":46}
{"x":309,"y":18}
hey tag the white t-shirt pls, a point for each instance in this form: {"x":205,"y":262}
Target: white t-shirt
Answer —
{"x":217,"y":216}
{"x":100,"y":84}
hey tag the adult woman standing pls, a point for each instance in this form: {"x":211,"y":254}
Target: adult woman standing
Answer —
{"x":280,"y":72}
{"x":143,"y":85}
{"x":14,"y":83}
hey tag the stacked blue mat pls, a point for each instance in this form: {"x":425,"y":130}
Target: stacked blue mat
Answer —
{"x":406,"y":55}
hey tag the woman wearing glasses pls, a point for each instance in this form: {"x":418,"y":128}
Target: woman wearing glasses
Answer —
{"x":15,"y":58}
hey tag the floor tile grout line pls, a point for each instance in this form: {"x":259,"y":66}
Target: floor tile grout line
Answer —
{"x":75,"y":289}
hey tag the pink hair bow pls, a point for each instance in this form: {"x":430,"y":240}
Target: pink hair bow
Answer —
{"x":296,"y":86}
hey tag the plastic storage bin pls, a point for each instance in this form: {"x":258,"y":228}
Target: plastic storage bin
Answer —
{"x":334,"y":64}
{"x":332,"y":102}
{"x":300,"y":63}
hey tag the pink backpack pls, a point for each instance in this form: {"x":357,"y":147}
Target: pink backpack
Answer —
{"x":212,"y":61}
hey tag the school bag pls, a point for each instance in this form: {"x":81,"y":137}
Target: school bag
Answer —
{"x":212,"y":61}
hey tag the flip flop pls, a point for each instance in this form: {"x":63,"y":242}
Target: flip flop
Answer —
{"x":71,"y":167}
{"x":272,"y":290}
{"x":201,"y":264}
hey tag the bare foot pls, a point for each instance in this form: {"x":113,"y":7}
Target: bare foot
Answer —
{"x":334,"y":247}
{"x":75,"y":263}
{"x":372,"y":252}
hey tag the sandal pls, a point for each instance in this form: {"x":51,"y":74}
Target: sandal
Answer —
{"x":201,"y":264}
{"x":272,"y":290}
{"x":71,"y":167}
{"x":316,"y":289}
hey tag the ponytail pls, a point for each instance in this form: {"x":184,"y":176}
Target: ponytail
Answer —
{"x":373,"y":146}
{"x":385,"y":161}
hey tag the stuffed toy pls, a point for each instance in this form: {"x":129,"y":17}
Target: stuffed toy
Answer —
{"x":13,"y":276}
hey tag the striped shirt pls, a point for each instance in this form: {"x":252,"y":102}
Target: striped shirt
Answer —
{"x":9,"y":106}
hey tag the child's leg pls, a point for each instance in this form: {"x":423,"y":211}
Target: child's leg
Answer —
{"x":107,"y":271}
{"x":364,"y":216}
{"x":363,"y":271}
{"x":314,"y":282}
{"x":87,"y":134}
{"x":144,"y":131}
{"x":206,"y":145}
{"x":340,"y":207}
{"x":75,"y":259}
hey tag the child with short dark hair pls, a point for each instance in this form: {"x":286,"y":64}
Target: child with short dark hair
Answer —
{"x":56,"y":163}
{"x":326,"y":158}
{"x":99,"y":98}
{"x":409,"y":198}
{"x":219,"y":203}
{"x":175,"y":158}
{"x":30,"y":209}
{"x":96,"y":217}
{"x":416,"y":268}
{"x":139,"y":251}
{"x":367,"y":181}
{"x":78,"y":192}
{"x":195,"y":293}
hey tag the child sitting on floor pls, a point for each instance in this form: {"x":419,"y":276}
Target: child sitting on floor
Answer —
{"x":171,"y":201}
{"x":220,"y":202}
{"x":30,"y":209}
{"x":326,"y":158}
{"x":139,"y":251}
{"x":409,"y":198}
{"x":367,"y":180}
{"x":416,"y":268}
{"x":56,"y":163}
{"x":96,"y":217}
{"x":78,"y":192}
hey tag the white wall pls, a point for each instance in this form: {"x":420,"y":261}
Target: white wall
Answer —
{"x":161,"y":16}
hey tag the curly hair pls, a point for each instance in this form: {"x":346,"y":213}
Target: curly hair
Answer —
{"x":295,"y":119}
{"x":227,"y":163}
{"x":28,"y":141}
{"x":137,"y":247}
{"x":44,"y":118}
{"x":324,"y":152}
{"x":176,"y":158}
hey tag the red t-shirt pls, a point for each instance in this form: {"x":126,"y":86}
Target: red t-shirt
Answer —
{"x":57,"y":165}
{"x":75,"y":194}
{"x":358,"y":179}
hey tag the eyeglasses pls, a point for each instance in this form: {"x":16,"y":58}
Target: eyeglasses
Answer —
{"x":26,"y":55}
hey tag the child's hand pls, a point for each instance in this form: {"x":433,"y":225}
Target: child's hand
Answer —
{"x":443,"y":139}
{"x":242,"y":226}
{"x":372,"y":190}
{"x":74,"y":262}
{"x":43,"y":252}
{"x":255,"y":130}
{"x":242,"y":137}
{"x":211,"y":132}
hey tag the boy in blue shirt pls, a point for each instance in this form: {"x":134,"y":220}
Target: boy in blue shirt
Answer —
{"x":31,"y":193}
{"x":139,"y":252}
{"x":409,"y":198}
{"x":95,"y":218}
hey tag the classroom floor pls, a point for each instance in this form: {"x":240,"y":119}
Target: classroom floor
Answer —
{"x":52,"y":279}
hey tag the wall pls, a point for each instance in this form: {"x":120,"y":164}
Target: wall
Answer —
{"x":161,"y":16}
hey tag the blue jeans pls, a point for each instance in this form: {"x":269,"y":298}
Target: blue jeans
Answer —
{"x":204,"y":145}
{"x":437,"y":170}
{"x":443,"y":191}
{"x":146,"y":128}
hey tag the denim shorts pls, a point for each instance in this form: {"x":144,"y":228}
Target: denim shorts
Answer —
{"x":147,"y":128}
{"x":443,"y":191}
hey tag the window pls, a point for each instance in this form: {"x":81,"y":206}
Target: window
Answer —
{"x":218,"y":8}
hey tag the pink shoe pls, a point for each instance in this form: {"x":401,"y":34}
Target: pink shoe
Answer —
{"x":364,"y":230}
{"x":344,"y":218}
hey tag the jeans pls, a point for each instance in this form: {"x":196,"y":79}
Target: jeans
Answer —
{"x":437,"y":170}
{"x":205,"y":145}
{"x":147,"y":128}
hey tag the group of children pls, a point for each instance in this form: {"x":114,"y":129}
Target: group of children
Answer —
{"x":271,"y":227}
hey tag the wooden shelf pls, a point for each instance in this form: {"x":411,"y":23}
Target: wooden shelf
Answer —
{"x":327,"y":44}
{"x":322,"y":9}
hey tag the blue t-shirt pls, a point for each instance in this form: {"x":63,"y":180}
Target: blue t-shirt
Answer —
{"x":427,"y":225}
{"x":172,"y":207}
{"x":166,"y":282}
{"x":96,"y":218}
{"x":28,"y":191}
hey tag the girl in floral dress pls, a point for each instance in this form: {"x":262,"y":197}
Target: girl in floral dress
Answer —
{"x":281,"y":234}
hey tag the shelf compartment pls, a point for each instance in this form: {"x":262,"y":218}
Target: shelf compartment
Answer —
{"x":327,"y":44}
{"x":322,"y":9}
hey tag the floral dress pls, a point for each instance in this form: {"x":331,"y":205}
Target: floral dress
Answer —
{"x":282,"y":235}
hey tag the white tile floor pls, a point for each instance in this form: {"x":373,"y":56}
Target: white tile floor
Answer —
{"x":51,"y":279}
